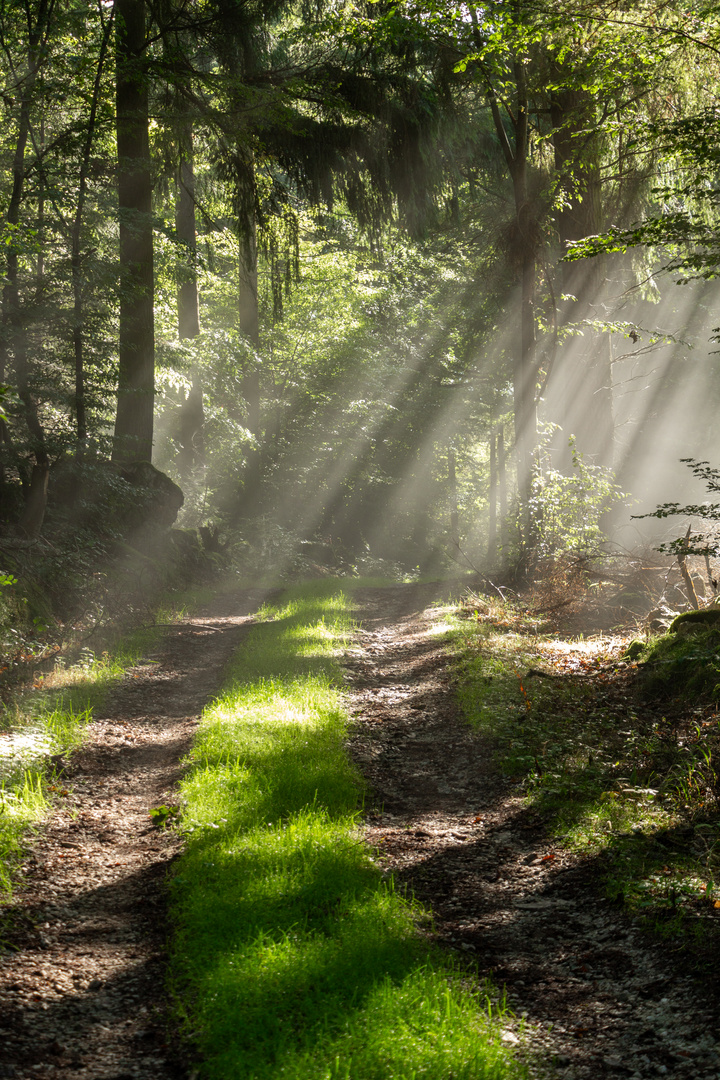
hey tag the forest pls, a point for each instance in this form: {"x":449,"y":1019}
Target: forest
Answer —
{"x":429,"y":286}
{"x":359,"y":547}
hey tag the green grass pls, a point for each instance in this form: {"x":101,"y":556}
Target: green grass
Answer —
{"x":608,"y":774}
{"x":43,"y":721}
{"x":292,"y":956}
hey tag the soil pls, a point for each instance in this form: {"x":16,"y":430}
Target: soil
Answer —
{"x":592,"y":996}
{"x":82,"y":985}
{"x":81,"y":988}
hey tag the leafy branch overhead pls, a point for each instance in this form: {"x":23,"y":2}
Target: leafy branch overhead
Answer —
{"x":702,"y":543}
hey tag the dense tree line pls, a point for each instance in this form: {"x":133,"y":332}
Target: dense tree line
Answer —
{"x":336,"y":269}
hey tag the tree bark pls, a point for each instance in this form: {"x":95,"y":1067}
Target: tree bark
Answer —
{"x":14,"y":340}
{"x":76,"y":243}
{"x":580,"y":396}
{"x":454,"y":512}
{"x":492,"y":502}
{"x":185,"y":226}
{"x":192,"y":415}
{"x":248,"y":313}
{"x":525,"y":256}
{"x":136,"y":347}
{"x":502,"y":489}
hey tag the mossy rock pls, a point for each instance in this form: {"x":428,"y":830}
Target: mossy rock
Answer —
{"x":634,"y":649}
{"x":692,"y":622}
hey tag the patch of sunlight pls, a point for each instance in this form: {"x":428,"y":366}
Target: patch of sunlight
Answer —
{"x":593,"y":646}
{"x":287,"y":712}
{"x":22,"y":749}
{"x":437,"y":629}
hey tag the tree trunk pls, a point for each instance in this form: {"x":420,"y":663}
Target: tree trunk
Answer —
{"x":185,"y":227}
{"x":580,"y":396}
{"x":454,"y":513}
{"x":502,"y":489}
{"x":248,"y":313}
{"x":136,"y":350}
{"x":192,"y":414}
{"x":76,"y":244}
{"x":492,"y":502}
{"x":525,"y":255}
{"x":14,"y":341}
{"x":525,"y":371}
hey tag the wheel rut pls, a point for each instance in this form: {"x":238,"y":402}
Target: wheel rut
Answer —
{"x":82,"y":985}
{"x":595,"y":996}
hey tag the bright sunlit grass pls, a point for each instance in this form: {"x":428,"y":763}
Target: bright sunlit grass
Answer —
{"x":292,"y":956}
{"x":46,"y":720}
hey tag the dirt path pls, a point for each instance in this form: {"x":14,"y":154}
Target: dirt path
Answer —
{"x":82,"y":993}
{"x":599,"y":999}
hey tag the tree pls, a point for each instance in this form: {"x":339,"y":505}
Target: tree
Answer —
{"x":136,"y":346}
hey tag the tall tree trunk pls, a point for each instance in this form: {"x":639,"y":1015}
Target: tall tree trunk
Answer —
{"x":248,"y":313}
{"x":525,"y":370}
{"x":525,"y":254}
{"x":452,"y":491}
{"x":76,"y":239}
{"x":249,"y":322}
{"x":14,"y":340}
{"x":192,"y":415}
{"x":185,"y":227}
{"x":136,"y":347}
{"x":502,"y":490}
{"x":492,"y":502}
{"x":580,"y":396}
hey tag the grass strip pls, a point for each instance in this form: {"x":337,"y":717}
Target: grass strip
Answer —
{"x":292,"y":957}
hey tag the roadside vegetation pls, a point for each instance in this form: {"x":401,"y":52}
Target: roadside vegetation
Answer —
{"x":292,"y":955}
{"x":616,"y":745}
{"x":42,"y":721}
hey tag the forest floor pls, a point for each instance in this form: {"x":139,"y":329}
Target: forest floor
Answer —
{"x":82,"y":976}
{"x":81,"y":984}
{"x":598,"y":997}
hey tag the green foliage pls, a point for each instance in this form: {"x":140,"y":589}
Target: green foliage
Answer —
{"x":704,"y":543}
{"x":567,"y":510}
{"x":291,"y":954}
{"x":685,"y":230}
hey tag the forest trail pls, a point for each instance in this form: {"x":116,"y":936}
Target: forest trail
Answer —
{"x":598,"y":997}
{"x":81,"y":990}
{"x":81,"y":994}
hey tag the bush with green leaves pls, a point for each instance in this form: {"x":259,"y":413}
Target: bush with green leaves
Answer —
{"x":567,"y":510}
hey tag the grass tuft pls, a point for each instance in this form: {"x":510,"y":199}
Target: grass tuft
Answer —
{"x":292,"y":956}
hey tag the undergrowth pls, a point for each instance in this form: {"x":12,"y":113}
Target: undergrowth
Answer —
{"x":292,"y":956}
{"x":616,"y":754}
